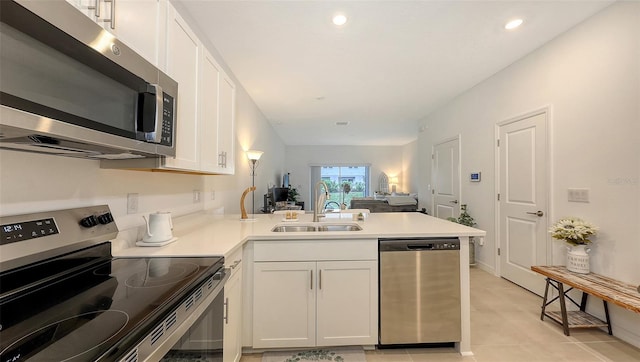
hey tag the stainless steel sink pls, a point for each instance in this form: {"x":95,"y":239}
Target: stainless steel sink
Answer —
{"x":294,"y":228}
{"x":339,"y":227}
{"x":320,"y":227}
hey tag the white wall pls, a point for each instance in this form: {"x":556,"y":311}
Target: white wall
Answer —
{"x":387,"y":159}
{"x":590,"y":77}
{"x":410,"y":161}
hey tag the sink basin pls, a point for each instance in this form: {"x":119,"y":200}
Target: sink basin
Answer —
{"x":321,"y":227}
{"x":339,"y":227}
{"x":293,"y":228}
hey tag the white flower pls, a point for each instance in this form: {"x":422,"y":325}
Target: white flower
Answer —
{"x":573,"y":230}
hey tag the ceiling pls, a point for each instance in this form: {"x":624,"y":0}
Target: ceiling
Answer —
{"x":389,"y":66}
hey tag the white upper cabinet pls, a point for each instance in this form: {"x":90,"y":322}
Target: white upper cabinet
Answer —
{"x":217,"y":112}
{"x":182,"y":64}
{"x":137,"y":23}
{"x":226,"y":124}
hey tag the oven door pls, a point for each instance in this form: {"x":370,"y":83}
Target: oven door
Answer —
{"x":204,"y":339}
{"x":194,"y":327}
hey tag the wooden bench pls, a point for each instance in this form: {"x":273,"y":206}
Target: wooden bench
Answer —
{"x":607,"y":289}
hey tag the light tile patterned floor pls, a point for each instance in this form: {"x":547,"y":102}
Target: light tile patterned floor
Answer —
{"x":506,"y":327}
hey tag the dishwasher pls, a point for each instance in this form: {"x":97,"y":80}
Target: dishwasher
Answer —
{"x":419,"y":291}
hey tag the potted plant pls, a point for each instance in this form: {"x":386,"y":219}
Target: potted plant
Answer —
{"x":292,"y":195}
{"x":575,"y":232}
{"x":467,"y":220}
{"x":346,"y":188}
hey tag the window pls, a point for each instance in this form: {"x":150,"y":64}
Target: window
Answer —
{"x":356,"y":176}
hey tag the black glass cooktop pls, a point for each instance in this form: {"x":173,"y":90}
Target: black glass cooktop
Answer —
{"x":98,"y":311}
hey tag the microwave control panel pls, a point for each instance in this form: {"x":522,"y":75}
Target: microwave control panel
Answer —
{"x":168,"y":117}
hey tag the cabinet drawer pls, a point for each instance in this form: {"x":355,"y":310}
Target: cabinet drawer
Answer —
{"x":319,"y":249}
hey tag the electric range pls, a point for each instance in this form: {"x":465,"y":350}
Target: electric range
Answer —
{"x":63,"y":297}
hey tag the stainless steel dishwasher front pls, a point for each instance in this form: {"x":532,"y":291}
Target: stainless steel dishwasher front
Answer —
{"x":419,"y":291}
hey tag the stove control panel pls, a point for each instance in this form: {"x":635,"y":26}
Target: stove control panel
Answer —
{"x":19,"y":231}
{"x":52,"y":233}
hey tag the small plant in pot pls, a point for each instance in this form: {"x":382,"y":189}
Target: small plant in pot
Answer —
{"x":575,"y":232}
{"x":464,"y":218}
{"x":467,"y":220}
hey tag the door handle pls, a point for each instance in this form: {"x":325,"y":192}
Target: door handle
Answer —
{"x":454,"y":201}
{"x":226,"y":311}
{"x":311,"y":280}
{"x":95,"y":7}
{"x":538,"y":213}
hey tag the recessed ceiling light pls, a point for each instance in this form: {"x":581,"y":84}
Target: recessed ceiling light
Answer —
{"x":339,"y":19}
{"x":513,"y":24}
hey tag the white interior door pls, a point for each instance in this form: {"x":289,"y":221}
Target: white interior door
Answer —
{"x":446,"y":179}
{"x":523,"y":199}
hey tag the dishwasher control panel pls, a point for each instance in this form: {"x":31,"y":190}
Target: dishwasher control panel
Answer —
{"x":419,"y":244}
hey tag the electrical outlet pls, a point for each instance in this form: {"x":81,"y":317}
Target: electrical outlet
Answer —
{"x":213,"y":194}
{"x":481,"y":240}
{"x":196,"y":196}
{"x":578,"y":195}
{"x":132,"y":203}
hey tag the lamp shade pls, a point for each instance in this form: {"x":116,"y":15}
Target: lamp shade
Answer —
{"x":254,"y":155}
{"x":393,"y":180}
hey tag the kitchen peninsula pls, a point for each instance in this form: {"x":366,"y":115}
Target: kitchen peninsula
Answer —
{"x":207,"y":234}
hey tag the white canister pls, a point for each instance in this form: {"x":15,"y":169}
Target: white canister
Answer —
{"x":578,"y":259}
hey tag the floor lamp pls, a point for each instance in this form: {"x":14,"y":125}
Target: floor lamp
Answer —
{"x":253,"y":157}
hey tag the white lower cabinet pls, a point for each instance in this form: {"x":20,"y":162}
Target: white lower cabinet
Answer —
{"x":307,"y":303}
{"x":284,"y":304}
{"x":232,"y":344}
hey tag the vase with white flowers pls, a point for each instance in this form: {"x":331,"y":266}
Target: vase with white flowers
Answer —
{"x":575,"y":232}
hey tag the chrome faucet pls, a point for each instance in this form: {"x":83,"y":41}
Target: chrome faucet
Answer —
{"x":317,"y":208}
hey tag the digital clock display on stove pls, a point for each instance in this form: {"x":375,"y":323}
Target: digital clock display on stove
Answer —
{"x":26,"y":230}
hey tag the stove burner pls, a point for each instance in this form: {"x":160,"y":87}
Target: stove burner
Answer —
{"x":69,"y":338}
{"x":160,"y":272}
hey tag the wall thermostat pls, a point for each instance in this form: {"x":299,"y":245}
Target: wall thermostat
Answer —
{"x":475,"y":177}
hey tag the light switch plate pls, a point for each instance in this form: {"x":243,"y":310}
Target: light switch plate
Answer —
{"x":132,"y":203}
{"x":578,"y":195}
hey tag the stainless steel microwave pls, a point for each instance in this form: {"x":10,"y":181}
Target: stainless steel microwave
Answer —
{"x":68,"y":87}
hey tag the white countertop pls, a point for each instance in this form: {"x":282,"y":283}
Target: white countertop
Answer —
{"x":205,"y":234}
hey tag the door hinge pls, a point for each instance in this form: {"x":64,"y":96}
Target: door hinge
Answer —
{"x":432,"y":156}
{"x":433,"y":192}
{"x":498,"y":141}
{"x":498,"y":251}
{"x":498,"y":197}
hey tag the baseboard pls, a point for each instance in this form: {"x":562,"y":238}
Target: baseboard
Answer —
{"x":486,"y":267}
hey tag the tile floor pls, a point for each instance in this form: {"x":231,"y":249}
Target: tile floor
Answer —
{"x":506,"y":326}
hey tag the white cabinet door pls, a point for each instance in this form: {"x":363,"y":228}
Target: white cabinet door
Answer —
{"x":87,"y":7}
{"x":226,"y":124}
{"x":137,"y":23}
{"x":347,"y":303}
{"x":284,"y":304}
{"x":210,"y":76}
{"x":182,"y":56}
{"x":232,"y":351}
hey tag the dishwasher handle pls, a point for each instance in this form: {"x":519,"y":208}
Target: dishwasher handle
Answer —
{"x":429,"y":246}
{"x":423,"y":244}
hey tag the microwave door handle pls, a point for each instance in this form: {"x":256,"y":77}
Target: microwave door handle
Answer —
{"x":159,"y":112}
{"x":150,"y":113}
